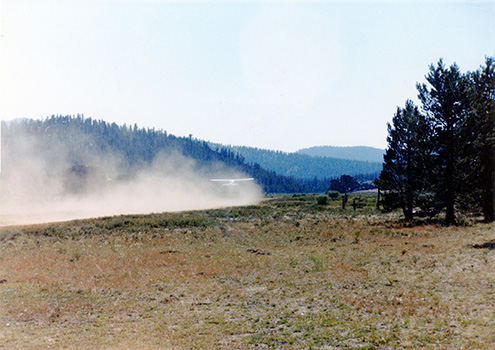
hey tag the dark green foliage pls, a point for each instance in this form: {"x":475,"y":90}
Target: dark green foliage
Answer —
{"x":407,"y":160}
{"x":362,"y":153}
{"x":322,"y":200}
{"x":333,"y":194}
{"x":347,"y":184}
{"x":344,"y":184}
{"x":444,"y":159}
{"x":446,"y":104}
{"x":427,"y":204}
{"x":479,"y":155}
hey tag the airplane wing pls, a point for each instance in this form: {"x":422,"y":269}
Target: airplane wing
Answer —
{"x":232,"y":182}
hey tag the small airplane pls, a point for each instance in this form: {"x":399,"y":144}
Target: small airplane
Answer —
{"x":232,"y":182}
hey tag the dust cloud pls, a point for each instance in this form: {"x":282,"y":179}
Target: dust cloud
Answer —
{"x":41,"y":182}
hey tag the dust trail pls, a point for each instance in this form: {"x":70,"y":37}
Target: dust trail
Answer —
{"x":41,"y":183}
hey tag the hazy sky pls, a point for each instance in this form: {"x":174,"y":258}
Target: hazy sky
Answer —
{"x":279,"y":75}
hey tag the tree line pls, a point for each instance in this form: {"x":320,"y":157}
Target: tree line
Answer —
{"x":363,"y":153}
{"x":441,"y":155}
{"x":82,"y":140}
{"x":304,"y":166}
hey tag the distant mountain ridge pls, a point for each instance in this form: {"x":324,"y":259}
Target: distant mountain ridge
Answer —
{"x":361,"y":153}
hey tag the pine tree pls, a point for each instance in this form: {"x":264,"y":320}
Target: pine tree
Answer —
{"x":446,"y":103}
{"x":479,"y":133}
{"x":407,"y":160}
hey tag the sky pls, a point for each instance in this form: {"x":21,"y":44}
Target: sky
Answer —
{"x":280,"y":75}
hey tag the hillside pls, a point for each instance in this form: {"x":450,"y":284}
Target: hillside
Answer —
{"x":59,"y":142}
{"x":304,"y":166}
{"x":361,"y":153}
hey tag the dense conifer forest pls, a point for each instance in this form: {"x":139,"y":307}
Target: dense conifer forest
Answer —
{"x":304,"y":166}
{"x":363,"y":153}
{"x":82,"y":140}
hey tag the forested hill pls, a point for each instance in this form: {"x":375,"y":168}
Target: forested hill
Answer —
{"x":80,"y":140}
{"x":303,"y":166}
{"x":363,"y":153}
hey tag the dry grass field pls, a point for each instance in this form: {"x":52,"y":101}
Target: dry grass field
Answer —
{"x":285,"y":274}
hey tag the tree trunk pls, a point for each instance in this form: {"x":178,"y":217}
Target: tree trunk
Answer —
{"x":489,"y":210}
{"x":408,"y":213}
{"x":449,"y":197}
{"x":449,"y":182}
{"x":378,"y":199}
{"x":408,"y":210}
{"x":488,"y":204}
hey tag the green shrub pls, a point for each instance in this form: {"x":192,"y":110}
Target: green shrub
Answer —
{"x":322,"y":200}
{"x":333,"y":194}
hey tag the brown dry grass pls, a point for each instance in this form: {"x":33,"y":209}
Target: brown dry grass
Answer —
{"x":286,"y":274}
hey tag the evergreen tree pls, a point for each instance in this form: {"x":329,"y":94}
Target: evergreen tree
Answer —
{"x":446,"y":103}
{"x":479,"y":155}
{"x":408,"y":156}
